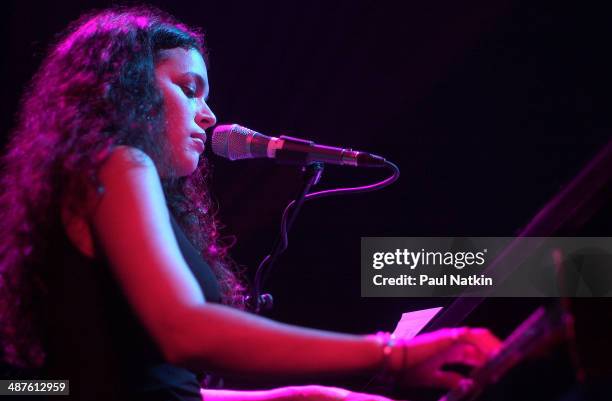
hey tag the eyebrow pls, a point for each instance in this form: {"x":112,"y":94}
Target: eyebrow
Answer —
{"x":199,"y":82}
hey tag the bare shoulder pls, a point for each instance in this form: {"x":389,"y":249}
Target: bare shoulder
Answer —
{"x":126,"y":169}
{"x":131,"y":190}
{"x":129,"y":177}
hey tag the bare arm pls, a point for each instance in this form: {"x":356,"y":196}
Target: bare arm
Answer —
{"x":277,"y":394}
{"x":131,"y":222}
{"x":245,"y":343}
{"x":300,"y":393}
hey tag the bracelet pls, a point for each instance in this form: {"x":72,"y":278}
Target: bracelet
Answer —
{"x":387,"y":341}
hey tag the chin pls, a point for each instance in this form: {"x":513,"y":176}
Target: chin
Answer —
{"x":185,"y":171}
{"x":184,"y":161}
{"x":187,"y":166}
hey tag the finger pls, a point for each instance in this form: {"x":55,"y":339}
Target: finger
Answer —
{"x":315,"y":392}
{"x":428,"y":344}
{"x":334,"y":393}
{"x":482,"y":338}
{"x":465,"y":385}
{"x":435,"y":343}
{"x":354,"y":396}
{"x":465,"y":354}
{"x":446,"y":380}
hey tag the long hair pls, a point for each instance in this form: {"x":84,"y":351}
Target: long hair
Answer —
{"x":94,"y":91}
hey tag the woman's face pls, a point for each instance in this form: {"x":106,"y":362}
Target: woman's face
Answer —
{"x":182,"y":77}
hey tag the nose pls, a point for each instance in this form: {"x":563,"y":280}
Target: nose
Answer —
{"x":205,"y":117}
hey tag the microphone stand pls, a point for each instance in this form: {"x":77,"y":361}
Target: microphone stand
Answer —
{"x":258,"y":301}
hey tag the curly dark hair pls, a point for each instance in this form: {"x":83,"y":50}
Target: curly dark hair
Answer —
{"x":94,"y":91}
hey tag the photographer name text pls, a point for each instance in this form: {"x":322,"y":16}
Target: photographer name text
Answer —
{"x":436,"y":262}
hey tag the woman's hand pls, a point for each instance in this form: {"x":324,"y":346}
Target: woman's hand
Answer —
{"x":426,"y":355}
{"x":292,"y":393}
{"x":324,"y":393}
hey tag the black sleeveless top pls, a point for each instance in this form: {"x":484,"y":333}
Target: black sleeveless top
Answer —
{"x":94,"y":339}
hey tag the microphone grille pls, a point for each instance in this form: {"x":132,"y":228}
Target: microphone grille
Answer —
{"x":231,"y":142}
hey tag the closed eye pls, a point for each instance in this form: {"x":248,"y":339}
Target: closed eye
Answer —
{"x":188,"y":91}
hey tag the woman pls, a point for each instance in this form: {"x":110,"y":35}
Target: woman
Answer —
{"x":113,"y":275}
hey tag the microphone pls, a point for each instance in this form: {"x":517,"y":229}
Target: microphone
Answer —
{"x":235,"y":142}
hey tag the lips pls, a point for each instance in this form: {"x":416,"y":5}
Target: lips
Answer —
{"x":199,"y":139}
{"x":199,"y":135}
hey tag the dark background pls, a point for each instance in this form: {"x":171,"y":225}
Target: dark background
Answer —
{"x":487,"y":107}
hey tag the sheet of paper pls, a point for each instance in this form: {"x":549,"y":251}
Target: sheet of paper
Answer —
{"x":412,"y":323}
